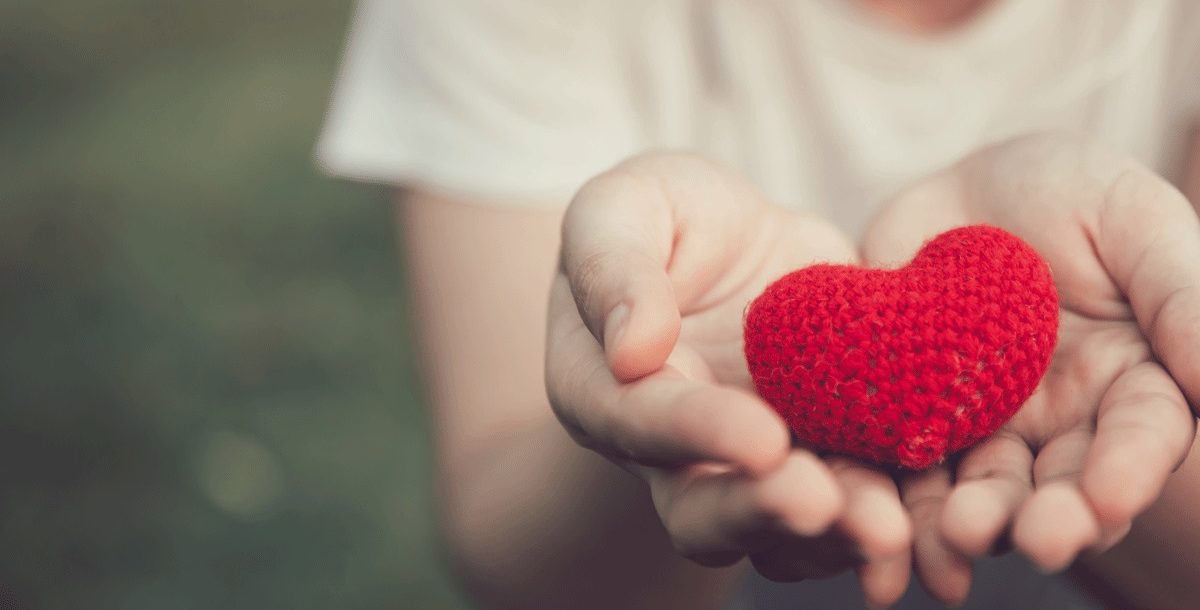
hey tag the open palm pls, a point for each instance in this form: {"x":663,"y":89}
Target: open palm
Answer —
{"x":645,"y":365}
{"x":1093,"y":446}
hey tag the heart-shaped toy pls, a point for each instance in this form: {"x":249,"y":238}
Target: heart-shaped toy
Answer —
{"x":906,"y":366}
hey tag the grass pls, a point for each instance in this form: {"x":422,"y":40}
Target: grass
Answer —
{"x":208,"y":390}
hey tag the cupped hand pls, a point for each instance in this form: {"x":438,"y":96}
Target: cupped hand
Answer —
{"x":660,"y":256}
{"x":1093,"y":446}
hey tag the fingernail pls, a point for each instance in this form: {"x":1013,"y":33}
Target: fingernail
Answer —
{"x":614,"y":325}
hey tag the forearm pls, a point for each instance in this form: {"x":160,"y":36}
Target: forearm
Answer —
{"x":541,"y":523}
{"x":529,"y":519}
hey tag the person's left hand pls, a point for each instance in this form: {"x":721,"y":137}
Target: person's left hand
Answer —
{"x":1110,"y":421}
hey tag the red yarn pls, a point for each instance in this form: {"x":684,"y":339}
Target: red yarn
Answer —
{"x":909,"y":365}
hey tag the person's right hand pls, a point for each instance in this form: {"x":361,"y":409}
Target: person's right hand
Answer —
{"x":660,"y":257}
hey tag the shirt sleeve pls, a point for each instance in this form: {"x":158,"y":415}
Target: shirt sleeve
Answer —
{"x":505,"y":101}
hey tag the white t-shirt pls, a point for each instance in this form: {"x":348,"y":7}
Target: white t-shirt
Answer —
{"x":517,"y":102}
{"x":824,"y":108}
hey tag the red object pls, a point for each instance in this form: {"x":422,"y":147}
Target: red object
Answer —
{"x":909,"y":365}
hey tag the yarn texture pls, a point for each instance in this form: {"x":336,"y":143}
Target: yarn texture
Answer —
{"x":906,"y":366}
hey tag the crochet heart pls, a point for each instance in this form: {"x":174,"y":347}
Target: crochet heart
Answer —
{"x":906,"y":366}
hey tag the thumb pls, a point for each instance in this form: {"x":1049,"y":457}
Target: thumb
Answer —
{"x":629,"y":305}
{"x":615,"y":248}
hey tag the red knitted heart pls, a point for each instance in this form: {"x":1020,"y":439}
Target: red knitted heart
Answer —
{"x":906,"y":366}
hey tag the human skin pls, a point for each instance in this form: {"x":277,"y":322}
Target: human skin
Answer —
{"x":1095,"y":444}
{"x":498,"y":443}
{"x":1155,"y":566}
{"x":1166,"y":537}
{"x":521,"y":544}
{"x":644,"y":365}
{"x":527,"y":518}
{"x":923,"y":16}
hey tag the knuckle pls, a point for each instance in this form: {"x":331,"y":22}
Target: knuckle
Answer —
{"x":620,"y":442}
{"x":806,"y":515}
{"x":1170,"y":327}
{"x":570,"y":421}
{"x":686,"y":548}
{"x":1132,"y":186}
{"x":1005,"y":479}
{"x":589,"y":280}
{"x":924,"y":507}
{"x":579,"y":435}
{"x":580,"y":406}
{"x":678,"y":514}
{"x":773,"y":503}
{"x":683,"y":538}
{"x":624,"y":181}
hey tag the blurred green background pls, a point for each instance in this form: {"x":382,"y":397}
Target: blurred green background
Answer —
{"x":208,"y":389}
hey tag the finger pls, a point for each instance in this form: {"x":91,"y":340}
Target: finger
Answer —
{"x":1148,"y":238}
{"x":914,"y":215}
{"x":668,"y":419}
{"x":874,"y":517}
{"x":1056,"y":523}
{"x":876,"y":522}
{"x":1061,"y":458}
{"x":885,"y":581}
{"x":624,"y":227}
{"x":1054,"y":526}
{"x":1110,"y":535}
{"x":1143,"y":433}
{"x":617,"y":237}
{"x":944,"y":572}
{"x":658,"y":420}
{"x":993,"y":480}
{"x":727,"y":514}
{"x":873,"y":533}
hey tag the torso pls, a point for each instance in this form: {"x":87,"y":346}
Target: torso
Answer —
{"x":828,"y":111}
